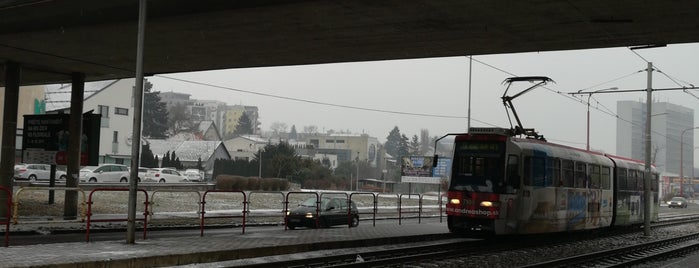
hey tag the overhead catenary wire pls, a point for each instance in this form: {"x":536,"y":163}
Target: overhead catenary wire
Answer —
{"x":319,"y":102}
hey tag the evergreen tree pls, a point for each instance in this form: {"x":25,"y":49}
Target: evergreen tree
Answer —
{"x":166,"y":160}
{"x":244,"y":126}
{"x":293,"y":135}
{"x":200,"y":165}
{"x":393,"y":142}
{"x":157,"y":162}
{"x":403,"y":146}
{"x":415,"y":146}
{"x":147,"y":158}
{"x":155,"y":122}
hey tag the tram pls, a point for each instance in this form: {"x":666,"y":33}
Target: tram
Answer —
{"x":502,"y":184}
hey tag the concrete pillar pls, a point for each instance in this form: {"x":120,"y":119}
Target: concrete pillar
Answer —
{"x":75,"y":127}
{"x":9,"y":131}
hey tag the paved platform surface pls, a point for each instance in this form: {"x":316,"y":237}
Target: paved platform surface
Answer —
{"x":256,"y":242}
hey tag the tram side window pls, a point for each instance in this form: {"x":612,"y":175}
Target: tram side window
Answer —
{"x":568,"y":173}
{"x":513,"y":178}
{"x":606,"y":178}
{"x":553,"y":172}
{"x":631,"y":180}
{"x":622,"y":177}
{"x":534,"y":171}
{"x":639,"y":182}
{"x":595,"y":176}
{"x":654,"y":183}
{"x":580,"y":175}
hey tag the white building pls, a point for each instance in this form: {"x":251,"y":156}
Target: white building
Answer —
{"x":114,"y":101}
{"x":668,"y":121}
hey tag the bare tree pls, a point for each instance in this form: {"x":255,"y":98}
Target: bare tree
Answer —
{"x":278,"y":128}
{"x":310,"y":129}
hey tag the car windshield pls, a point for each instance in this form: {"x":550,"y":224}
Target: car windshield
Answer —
{"x":679,"y":199}
{"x":311,"y":202}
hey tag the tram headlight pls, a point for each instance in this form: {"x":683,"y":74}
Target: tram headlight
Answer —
{"x":309,"y":215}
{"x":489,"y":204}
{"x":455,"y":201}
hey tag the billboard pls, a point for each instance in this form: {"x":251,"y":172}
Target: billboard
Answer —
{"x":45,"y":139}
{"x":417,"y":169}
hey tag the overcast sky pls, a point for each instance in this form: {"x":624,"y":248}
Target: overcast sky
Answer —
{"x":393,"y":92}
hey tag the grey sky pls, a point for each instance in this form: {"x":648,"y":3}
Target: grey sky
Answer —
{"x":439,"y":86}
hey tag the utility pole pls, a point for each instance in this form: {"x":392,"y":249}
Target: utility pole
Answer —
{"x":647,"y":186}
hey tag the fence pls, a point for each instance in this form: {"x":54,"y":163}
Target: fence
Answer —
{"x":18,"y":195}
{"x":203,"y":209}
{"x":89,"y":211}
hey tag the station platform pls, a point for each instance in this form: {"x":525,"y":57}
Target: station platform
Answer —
{"x":217,"y":246}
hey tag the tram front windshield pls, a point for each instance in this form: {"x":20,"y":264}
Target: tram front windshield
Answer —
{"x":478,"y":166}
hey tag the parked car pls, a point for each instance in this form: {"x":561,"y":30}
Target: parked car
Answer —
{"x":333,"y":211}
{"x":164,"y":175}
{"x":193,"y":175}
{"x":36,"y":172}
{"x":142,"y":173}
{"x":677,"y":202}
{"x":105,"y":173}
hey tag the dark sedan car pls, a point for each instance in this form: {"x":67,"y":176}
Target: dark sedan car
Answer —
{"x":677,"y":202}
{"x":333,"y":211}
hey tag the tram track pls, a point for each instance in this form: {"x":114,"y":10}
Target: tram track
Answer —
{"x":498,"y":251}
{"x":631,"y":255}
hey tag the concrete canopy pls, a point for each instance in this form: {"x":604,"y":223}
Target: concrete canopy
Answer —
{"x":53,"y":38}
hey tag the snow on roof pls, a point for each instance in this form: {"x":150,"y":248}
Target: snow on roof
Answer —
{"x":185,"y":150}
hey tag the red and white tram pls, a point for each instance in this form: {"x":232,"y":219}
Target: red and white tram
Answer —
{"x":501,"y":184}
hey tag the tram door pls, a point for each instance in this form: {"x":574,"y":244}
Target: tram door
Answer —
{"x":512,"y":194}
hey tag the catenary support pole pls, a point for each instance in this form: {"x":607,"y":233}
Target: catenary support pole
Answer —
{"x":649,"y":175}
{"x":136,"y":133}
{"x":75,"y":125}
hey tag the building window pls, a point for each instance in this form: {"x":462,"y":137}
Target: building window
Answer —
{"x":340,"y":141}
{"x":121,"y":111}
{"x":115,"y":139}
{"x":329,"y":141}
{"x":103,"y":110}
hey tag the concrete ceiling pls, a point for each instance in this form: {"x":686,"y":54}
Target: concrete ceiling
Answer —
{"x":53,"y":38}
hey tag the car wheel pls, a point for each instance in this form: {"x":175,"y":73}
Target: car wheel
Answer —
{"x":161,"y":181}
{"x":32,"y":178}
{"x":92,"y":180}
{"x":62,"y":177}
{"x":291,"y":227}
{"x":123,"y":180}
{"x":355,"y":221}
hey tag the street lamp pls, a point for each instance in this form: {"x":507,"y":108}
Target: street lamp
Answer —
{"x":682,"y":159}
{"x":589,"y":95}
{"x":357,"y":185}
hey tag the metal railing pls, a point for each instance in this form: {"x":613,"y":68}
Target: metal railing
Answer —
{"x":286,"y":206}
{"x":375,"y":207}
{"x":89,"y":211}
{"x":203,"y":209}
{"x":153,"y":203}
{"x":18,"y":199}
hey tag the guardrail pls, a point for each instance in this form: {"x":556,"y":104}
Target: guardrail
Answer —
{"x":153,"y":203}
{"x":203,"y":209}
{"x":89,"y":211}
{"x":286,"y":206}
{"x":419,"y":208}
{"x":375,"y":208}
{"x":8,"y":214}
{"x":18,"y":195}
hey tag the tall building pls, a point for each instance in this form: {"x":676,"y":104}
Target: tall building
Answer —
{"x":668,"y":121}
